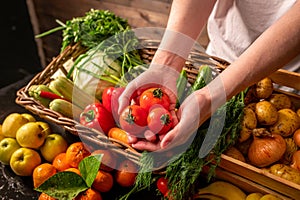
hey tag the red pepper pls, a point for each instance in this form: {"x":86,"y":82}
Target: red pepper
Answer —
{"x":49,"y":95}
{"x":96,"y":116}
{"x":110,"y":100}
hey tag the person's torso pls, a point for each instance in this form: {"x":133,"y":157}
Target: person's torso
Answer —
{"x":234,"y":24}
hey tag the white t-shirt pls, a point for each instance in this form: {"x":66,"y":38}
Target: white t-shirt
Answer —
{"x":234,"y":24}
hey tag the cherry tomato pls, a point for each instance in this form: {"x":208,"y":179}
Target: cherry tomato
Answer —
{"x":159,"y":120}
{"x":133,"y":119}
{"x":162,"y":185}
{"x":154,"y":96}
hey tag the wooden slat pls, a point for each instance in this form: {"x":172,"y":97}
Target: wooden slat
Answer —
{"x":287,"y":78}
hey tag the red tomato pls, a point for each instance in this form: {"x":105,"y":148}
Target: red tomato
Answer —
{"x":133,"y":119}
{"x":154,"y":96}
{"x":162,"y":185}
{"x":159,"y":120}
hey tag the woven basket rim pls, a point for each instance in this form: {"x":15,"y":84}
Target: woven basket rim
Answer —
{"x":195,"y":59}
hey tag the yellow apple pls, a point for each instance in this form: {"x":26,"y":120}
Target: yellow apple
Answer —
{"x":53,"y":145}
{"x":7,"y":147}
{"x":12,"y":123}
{"x":31,"y":135}
{"x":45,"y":126}
{"x":24,"y":160}
{"x":29,"y":117}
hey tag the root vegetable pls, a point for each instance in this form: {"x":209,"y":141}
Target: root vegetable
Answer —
{"x":245,"y":134}
{"x":288,"y":122}
{"x":249,"y":119}
{"x":296,"y":160}
{"x":285,"y":172}
{"x":266,"y":148}
{"x":280,"y":101}
{"x":296,"y":137}
{"x":266,"y":113}
{"x":263,"y":88}
{"x":235,"y":153}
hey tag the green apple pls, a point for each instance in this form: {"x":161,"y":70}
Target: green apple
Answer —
{"x":12,"y":123}
{"x":7,"y":147}
{"x":53,"y":145}
{"x":31,"y":135}
{"x":24,"y":160}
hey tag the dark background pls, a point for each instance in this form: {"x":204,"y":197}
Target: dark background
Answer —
{"x":18,"y":57}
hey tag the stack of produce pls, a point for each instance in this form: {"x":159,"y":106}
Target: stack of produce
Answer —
{"x":94,"y":81}
{"x":269,"y":138}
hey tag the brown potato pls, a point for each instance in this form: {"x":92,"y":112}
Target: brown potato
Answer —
{"x":249,"y":119}
{"x":288,"y":122}
{"x":280,"y":101}
{"x":235,"y":153}
{"x":251,"y":106}
{"x":245,"y":134}
{"x":286,"y":172}
{"x":298,"y":112}
{"x":264,"y":88}
{"x":266,"y":113}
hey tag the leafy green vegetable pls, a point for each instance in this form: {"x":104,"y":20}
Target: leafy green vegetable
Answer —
{"x":67,"y":185}
{"x":117,"y":57}
{"x":91,"y":29}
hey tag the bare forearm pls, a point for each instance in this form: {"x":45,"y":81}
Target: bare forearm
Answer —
{"x":186,"y":20}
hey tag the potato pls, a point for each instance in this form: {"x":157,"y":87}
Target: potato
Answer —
{"x":266,"y":113}
{"x":286,"y":172}
{"x":263,"y":88}
{"x":288,"y":122}
{"x":235,"y":153}
{"x":249,"y":119}
{"x":298,"y":112}
{"x":245,"y":134}
{"x":280,"y":101}
{"x":251,"y":106}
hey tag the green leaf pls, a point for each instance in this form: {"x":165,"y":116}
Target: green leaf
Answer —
{"x":63,"y":185}
{"x":89,"y":167}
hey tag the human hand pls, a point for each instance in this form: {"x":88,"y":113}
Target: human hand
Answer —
{"x":160,"y":76}
{"x":192,"y":112}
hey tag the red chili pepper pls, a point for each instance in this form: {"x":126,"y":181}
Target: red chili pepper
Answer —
{"x":49,"y":95}
{"x":96,"y":116}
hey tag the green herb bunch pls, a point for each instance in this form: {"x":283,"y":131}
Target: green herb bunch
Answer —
{"x":91,"y":29}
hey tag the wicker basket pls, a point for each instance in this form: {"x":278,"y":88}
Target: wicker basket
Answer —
{"x":196,"y":58}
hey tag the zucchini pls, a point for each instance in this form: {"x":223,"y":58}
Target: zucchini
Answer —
{"x":66,"y":88}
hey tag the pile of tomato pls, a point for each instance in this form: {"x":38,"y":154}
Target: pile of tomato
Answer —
{"x":150,"y":110}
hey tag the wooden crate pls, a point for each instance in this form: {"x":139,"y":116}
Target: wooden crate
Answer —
{"x":260,"y":176}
